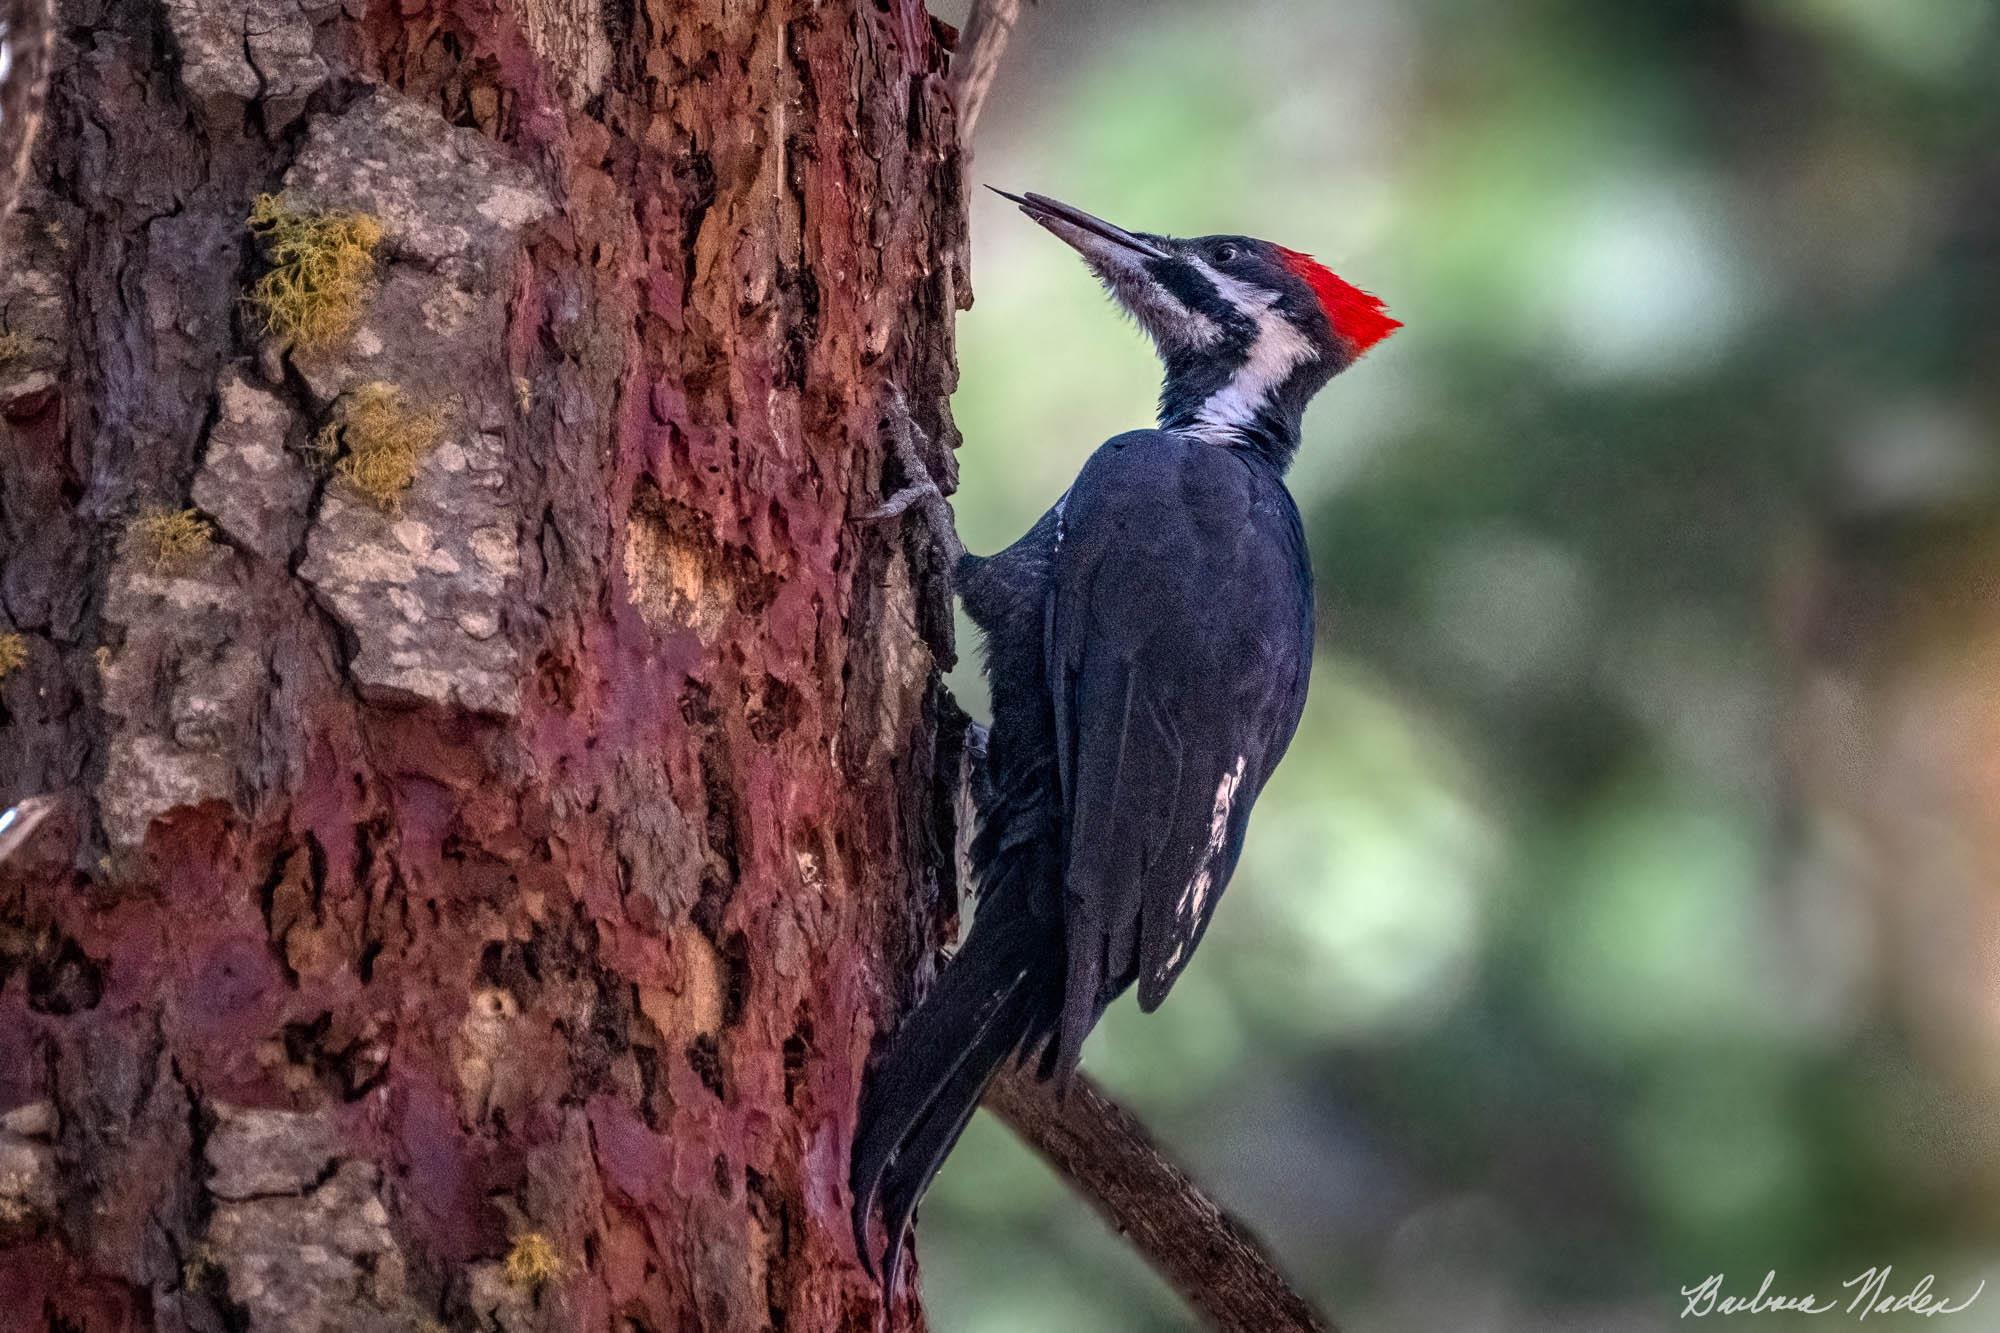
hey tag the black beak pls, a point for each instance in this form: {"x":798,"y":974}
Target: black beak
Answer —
{"x":1093,"y":237}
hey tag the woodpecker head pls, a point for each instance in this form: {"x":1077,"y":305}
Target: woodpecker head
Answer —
{"x":1249,"y":331}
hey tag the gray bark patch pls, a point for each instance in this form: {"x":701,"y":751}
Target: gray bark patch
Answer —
{"x":423,"y":583}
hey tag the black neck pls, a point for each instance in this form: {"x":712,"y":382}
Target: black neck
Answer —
{"x":1269,"y":430}
{"x":1270,"y":435}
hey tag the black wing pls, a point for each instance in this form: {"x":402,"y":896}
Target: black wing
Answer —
{"x":1179,"y":639}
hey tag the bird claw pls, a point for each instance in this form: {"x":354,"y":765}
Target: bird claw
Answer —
{"x":921,"y":491}
{"x":900,"y":502}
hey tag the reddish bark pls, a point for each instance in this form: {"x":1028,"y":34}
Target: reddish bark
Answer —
{"x":529,"y":863}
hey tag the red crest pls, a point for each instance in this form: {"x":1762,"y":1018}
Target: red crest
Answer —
{"x":1358,"y":319}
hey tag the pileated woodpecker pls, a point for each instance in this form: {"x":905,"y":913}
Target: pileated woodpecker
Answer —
{"x":1147,"y":644}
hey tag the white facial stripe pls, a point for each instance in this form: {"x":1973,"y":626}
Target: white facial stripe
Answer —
{"x":1277,"y":350}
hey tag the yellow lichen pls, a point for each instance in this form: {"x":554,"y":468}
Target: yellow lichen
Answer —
{"x":199,"y":1267}
{"x":533,"y":1260}
{"x":320,"y":266}
{"x":171,"y":539}
{"x":11,"y":346}
{"x":13,"y":654}
{"x":385,"y":439}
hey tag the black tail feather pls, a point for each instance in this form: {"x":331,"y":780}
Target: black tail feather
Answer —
{"x":931,"y":1139}
{"x":903,"y":1096}
{"x":997,"y":996}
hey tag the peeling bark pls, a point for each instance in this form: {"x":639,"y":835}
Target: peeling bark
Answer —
{"x":471,"y":910}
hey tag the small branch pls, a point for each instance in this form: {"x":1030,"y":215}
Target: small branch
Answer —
{"x":1107,"y":1155}
{"x":987,"y":29}
{"x":18,"y":823}
{"x":27,"y":39}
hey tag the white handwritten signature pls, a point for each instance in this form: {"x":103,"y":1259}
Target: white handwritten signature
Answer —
{"x":1871,"y":1295}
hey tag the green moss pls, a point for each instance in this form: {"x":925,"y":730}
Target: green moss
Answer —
{"x":13,"y":654}
{"x":320,"y":266}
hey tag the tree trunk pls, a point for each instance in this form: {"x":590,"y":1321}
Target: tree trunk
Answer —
{"x":470,"y":902}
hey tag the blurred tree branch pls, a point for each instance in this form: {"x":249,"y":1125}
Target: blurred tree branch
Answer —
{"x":27,"y":39}
{"x":1206,"y":1255}
{"x":987,"y":29}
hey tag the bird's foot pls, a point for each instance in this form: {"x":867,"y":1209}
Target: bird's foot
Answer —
{"x":896,"y":504}
{"x":920,"y":491}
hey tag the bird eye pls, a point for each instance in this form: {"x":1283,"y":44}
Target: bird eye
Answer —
{"x":1224,"y":253}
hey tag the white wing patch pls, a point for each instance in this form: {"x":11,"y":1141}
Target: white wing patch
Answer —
{"x":1195,"y":896}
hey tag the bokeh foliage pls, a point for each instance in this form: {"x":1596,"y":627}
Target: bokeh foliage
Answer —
{"x":1547,"y":987}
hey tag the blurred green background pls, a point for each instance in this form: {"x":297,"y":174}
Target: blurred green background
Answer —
{"x":1628,"y":908}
